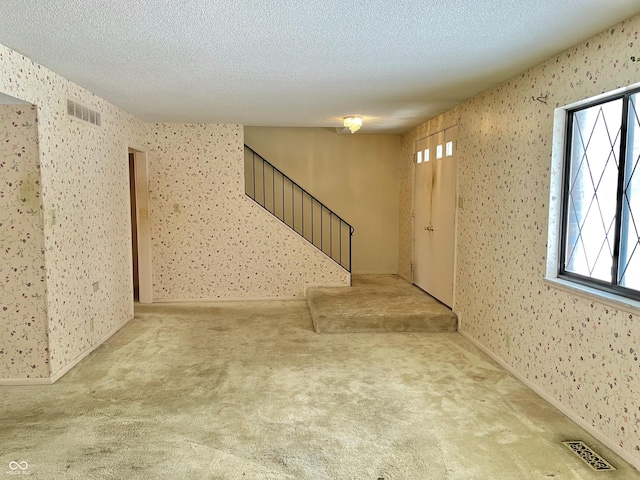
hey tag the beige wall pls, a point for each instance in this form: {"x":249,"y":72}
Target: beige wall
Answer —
{"x":84,"y":181}
{"x":580,"y":353}
{"x":356,"y":176}
{"x":209,"y":240}
{"x":23,"y":330}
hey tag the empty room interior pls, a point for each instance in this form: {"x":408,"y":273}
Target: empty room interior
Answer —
{"x":319,"y":239}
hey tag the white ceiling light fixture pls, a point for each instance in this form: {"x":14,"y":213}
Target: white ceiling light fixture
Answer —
{"x":353,"y":123}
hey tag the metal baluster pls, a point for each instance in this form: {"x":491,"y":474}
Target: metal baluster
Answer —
{"x":321,"y":227}
{"x":331,"y":234}
{"x":273,"y":189}
{"x":253,"y":165}
{"x":341,"y":241}
{"x":312,"y":202}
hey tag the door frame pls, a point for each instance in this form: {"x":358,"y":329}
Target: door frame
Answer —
{"x":141,"y":172}
{"x":439,"y":126}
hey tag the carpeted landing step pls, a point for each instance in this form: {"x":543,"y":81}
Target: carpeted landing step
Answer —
{"x":377,"y":303}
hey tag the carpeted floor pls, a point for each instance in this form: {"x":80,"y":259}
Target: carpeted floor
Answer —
{"x":249,"y":391}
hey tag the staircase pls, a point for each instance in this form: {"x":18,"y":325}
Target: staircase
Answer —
{"x":374,"y":303}
{"x":297,"y":208}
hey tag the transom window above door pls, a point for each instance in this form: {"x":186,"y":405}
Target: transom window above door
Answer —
{"x":442,"y":150}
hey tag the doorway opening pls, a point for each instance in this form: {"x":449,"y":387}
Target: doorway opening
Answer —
{"x":134,"y":225}
{"x":140,"y":233}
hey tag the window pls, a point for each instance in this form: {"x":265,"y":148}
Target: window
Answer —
{"x":420,"y":158}
{"x":600,"y":227}
{"x":449,"y":149}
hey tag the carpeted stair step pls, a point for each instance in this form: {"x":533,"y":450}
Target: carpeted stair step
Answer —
{"x":378,"y":304}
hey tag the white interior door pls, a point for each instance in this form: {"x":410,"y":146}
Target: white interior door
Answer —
{"x":434,"y":214}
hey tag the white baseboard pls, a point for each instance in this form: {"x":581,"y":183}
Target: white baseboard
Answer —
{"x":221,"y":300}
{"x":249,"y":299}
{"x":364,"y":272}
{"x":573,"y":416}
{"x":55,"y":377}
{"x":25,"y":381}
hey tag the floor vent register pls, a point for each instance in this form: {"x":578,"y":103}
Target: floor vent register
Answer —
{"x":589,"y":456}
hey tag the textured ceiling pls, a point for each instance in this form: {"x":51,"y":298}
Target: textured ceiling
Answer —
{"x":297,"y":62}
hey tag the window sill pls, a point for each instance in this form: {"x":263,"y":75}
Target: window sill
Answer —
{"x":610,"y":299}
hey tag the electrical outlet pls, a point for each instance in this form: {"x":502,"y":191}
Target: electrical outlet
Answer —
{"x":91,"y":324}
{"x":54,"y":220}
{"x":96,"y":286}
{"x":507,"y":340}
{"x":176,"y":207}
{"x":460,"y":202}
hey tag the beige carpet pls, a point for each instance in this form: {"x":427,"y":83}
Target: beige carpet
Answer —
{"x":378,"y":303}
{"x":249,"y":391}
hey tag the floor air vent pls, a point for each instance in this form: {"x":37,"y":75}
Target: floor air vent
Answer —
{"x":588,"y":456}
{"x":83,"y":113}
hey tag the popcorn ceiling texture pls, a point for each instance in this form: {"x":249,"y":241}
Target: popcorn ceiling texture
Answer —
{"x":581,"y":352}
{"x":210,"y":241}
{"x":23,"y":331}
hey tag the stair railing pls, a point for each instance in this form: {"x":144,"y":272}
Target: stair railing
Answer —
{"x":297,"y":208}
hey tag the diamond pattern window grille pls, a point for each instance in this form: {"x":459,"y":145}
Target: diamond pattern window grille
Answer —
{"x":592,"y":192}
{"x":629,"y":267}
{"x":601,"y":236}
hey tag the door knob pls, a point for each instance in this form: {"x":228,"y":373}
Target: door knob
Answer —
{"x":429,"y":228}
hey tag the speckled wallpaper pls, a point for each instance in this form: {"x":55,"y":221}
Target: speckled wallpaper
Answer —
{"x":582,"y":353}
{"x":85,"y":200}
{"x":209,"y":240}
{"x":23,"y":330}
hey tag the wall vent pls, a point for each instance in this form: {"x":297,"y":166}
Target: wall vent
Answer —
{"x":83,"y":113}
{"x":589,"y":456}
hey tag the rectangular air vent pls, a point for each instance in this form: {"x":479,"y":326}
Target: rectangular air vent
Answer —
{"x":83,"y":113}
{"x":589,"y":456}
